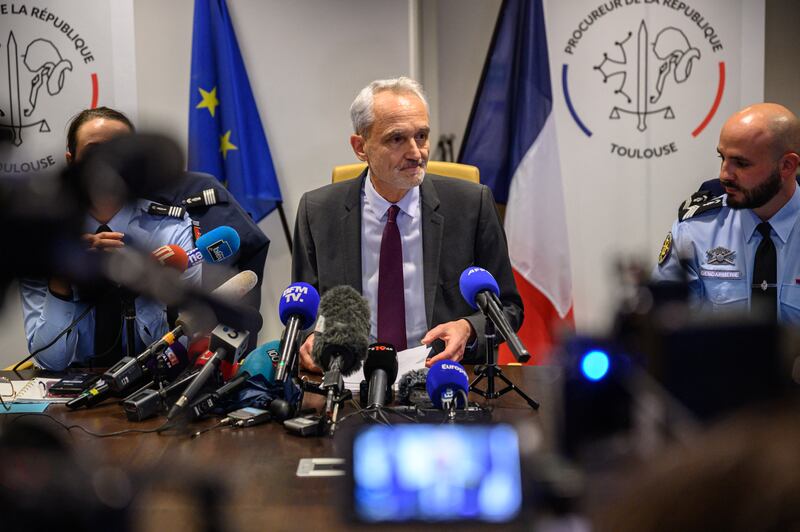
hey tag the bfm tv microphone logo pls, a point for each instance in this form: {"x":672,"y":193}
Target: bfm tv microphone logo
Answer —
{"x":294,"y":294}
{"x":46,"y":72}
{"x":643,"y":86}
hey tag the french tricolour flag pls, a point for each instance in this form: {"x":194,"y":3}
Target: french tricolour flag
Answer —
{"x":511,"y":138}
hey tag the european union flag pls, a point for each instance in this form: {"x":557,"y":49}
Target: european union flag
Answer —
{"x":226,"y":139}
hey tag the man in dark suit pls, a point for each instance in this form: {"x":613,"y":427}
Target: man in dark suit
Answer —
{"x":400,"y":237}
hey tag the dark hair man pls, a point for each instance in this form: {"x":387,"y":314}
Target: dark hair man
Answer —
{"x":50,"y":305}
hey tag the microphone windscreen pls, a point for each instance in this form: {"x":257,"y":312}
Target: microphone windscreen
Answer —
{"x":299,"y":299}
{"x":443,"y":375}
{"x":218,"y":244}
{"x":475,"y":280}
{"x":172,"y":256}
{"x":411,"y":386}
{"x":237,"y":286}
{"x":381,"y":356}
{"x":342,"y":330}
{"x":259,"y":362}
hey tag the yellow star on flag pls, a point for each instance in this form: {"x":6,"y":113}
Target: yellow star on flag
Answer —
{"x":209,"y":101}
{"x":225,"y":144}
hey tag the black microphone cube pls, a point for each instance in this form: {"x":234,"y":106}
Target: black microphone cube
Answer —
{"x":233,"y":342}
{"x":142,"y":405}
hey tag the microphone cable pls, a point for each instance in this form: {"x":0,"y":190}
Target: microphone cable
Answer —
{"x":67,"y":329}
{"x":87,"y":431}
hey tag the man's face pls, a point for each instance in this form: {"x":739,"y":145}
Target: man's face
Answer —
{"x":94,"y":132}
{"x":396,"y":147}
{"x":749,"y":171}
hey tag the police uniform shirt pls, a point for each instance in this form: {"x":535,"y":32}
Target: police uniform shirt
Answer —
{"x":714,"y":251}
{"x":45,"y":315}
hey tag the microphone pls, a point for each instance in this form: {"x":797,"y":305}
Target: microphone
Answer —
{"x":480,"y":290}
{"x":191,"y":324}
{"x":227,"y":344}
{"x":258,"y":362}
{"x":172,"y":256}
{"x":380,"y":369}
{"x":216,"y":246}
{"x":340,"y":341}
{"x":447,"y":385}
{"x":342,"y":334}
{"x":411,"y":387}
{"x":297,"y":310}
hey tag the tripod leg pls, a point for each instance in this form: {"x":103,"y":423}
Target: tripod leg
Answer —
{"x":511,"y":386}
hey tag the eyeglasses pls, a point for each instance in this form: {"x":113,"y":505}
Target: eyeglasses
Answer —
{"x":6,"y":392}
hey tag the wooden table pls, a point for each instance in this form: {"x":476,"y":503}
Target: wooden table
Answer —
{"x":252,"y":471}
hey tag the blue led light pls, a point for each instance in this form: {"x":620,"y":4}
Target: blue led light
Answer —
{"x":595,"y":365}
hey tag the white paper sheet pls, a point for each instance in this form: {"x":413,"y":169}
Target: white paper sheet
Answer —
{"x":407,"y":360}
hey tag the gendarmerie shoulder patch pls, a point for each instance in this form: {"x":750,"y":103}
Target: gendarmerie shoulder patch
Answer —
{"x":158,"y":209}
{"x":203,"y":199}
{"x":698,"y":203}
{"x":666,"y":248}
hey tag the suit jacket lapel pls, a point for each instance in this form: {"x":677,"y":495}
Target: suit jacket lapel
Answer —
{"x":432,"y":229}
{"x":351,"y":227}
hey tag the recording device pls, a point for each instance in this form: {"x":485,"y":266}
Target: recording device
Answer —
{"x":475,"y":476}
{"x":73,"y":384}
{"x":248,"y":416}
{"x":172,"y":256}
{"x":216,"y":246}
{"x":258,"y":362}
{"x":297,"y":310}
{"x":480,"y":290}
{"x":310,"y":425}
{"x":380,"y":370}
{"x":448,"y":385}
{"x":226,"y":343}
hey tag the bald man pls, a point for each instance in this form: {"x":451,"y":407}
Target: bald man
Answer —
{"x":741,"y":250}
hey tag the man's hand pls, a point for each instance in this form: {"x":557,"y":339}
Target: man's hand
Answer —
{"x":306,"y":362}
{"x":103,"y":241}
{"x":455,"y":335}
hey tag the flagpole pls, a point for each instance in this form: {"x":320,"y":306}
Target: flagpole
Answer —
{"x":285,"y":224}
{"x":484,"y":70}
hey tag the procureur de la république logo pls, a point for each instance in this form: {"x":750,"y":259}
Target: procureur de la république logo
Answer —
{"x":641,"y":69}
{"x":44,"y":76}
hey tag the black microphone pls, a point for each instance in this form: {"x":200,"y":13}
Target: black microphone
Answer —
{"x":342,"y":335}
{"x":226,"y":344}
{"x":380,"y":369}
{"x":480,"y":290}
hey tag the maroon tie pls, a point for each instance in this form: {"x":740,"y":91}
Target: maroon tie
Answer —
{"x":391,"y":301}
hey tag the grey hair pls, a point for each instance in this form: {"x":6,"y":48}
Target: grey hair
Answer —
{"x":361,"y":111}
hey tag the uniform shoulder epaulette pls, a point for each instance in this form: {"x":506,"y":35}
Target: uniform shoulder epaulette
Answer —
{"x":204,"y":198}
{"x":158,"y":209}
{"x":698,"y":203}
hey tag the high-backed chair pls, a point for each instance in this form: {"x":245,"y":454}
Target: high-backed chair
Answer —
{"x":457,"y":170}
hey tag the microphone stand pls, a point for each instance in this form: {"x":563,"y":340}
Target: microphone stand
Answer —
{"x":129,"y":317}
{"x":491,"y":371}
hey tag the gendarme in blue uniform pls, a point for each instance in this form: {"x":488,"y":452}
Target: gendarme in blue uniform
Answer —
{"x":713,"y":246}
{"x":45,"y":315}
